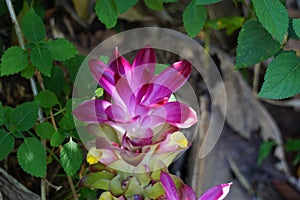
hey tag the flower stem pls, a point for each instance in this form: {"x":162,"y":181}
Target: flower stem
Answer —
{"x":32,"y":81}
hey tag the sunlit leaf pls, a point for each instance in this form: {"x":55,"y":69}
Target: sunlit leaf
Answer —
{"x":273,"y":16}
{"x":107,"y":12}
{"x":194,"y":17}
{"x":252,"y":50}
{"x":32,"y":157}
{"x":33,"y":27}
{"x":13,"y":61}
{"x":61,"y":49}
{"x":41,"y":58}
{"x":71,"y":157}
{"x":282,"y":79}
{"x":264,"y":151}
{"x":24,"y":116}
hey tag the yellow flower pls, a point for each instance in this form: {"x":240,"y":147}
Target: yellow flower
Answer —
{"x":93,"y":156}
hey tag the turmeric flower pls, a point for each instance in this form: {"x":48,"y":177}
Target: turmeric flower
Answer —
{"x":136,"y":105}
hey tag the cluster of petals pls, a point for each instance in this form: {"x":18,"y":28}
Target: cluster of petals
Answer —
{"x":136,"y":105}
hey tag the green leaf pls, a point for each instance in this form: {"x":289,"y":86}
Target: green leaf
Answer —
{"x":24,"y":116}
{"x":13,"y":61}
{"x":231,"y":24}
{"x":264,"y":150}
{"x":206,"y":2}
{"x":296,"y":26}
{"x":5,"y":114}
{"x":28,"y":72}
{"x":282,"y":79}
{"x":56,"y":81}
{"x":71,"y":157}
{"x":46,"y":99}
{"x":32,"y":157}
{"x":291,"y":31}
{"x":45,"y":130}
{"x":7,"y":143}
{"x":273,"y":16}
{"x":67,"y":122}
{"x":61,"y":49}
{"x":154,"y":4}
{"x":33,"y":27}
{"x":160,"y":67}
{"x":123,"y":6}
{"x":41,"y":58}
{"x":252,"y":50}
{"x":2,"y":115}
{"x":194,"y":17}
{"x":99,"y":92}
{"x":73,"y":66}
{"x":292,"y":145}
{"x":170,"y":1}
{"x":57,"y":139}
{"x":107,"y":12}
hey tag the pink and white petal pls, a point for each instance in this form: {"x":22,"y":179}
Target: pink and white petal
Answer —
{"x":145,"y":56}
{"x":103,"y":75}
{"x":92,"y":111}
{"x":140,"y":76}
{"x":153,"y":95}
{"x":141,"y":138}
{"x":169,"y":186}
{"x":123,"y":95}
{"x":217,"y":192}
{"x":175,"y":76}
{"x":187,"y":193}
{"x":117,"y":114}
{"x":179,"y":114}
{"x":143,"y":68}
{"x":118,"y":63}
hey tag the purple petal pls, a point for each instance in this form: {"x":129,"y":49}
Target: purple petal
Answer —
{"x":169,"y":186}
{"x":174,"y":76}
{"x":123,"y":95}
{"x":153,"y":94}
{"x":92,"y":111}
{"x":217,"y":192}
{"x":117,"y":114}
{"x":145,"y":56}
{"x":118,"y":63}
{"x":187,"y":193}
{"x":143,"y":68}
{"x":178,"y":114}
{"x":103,"y":75}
